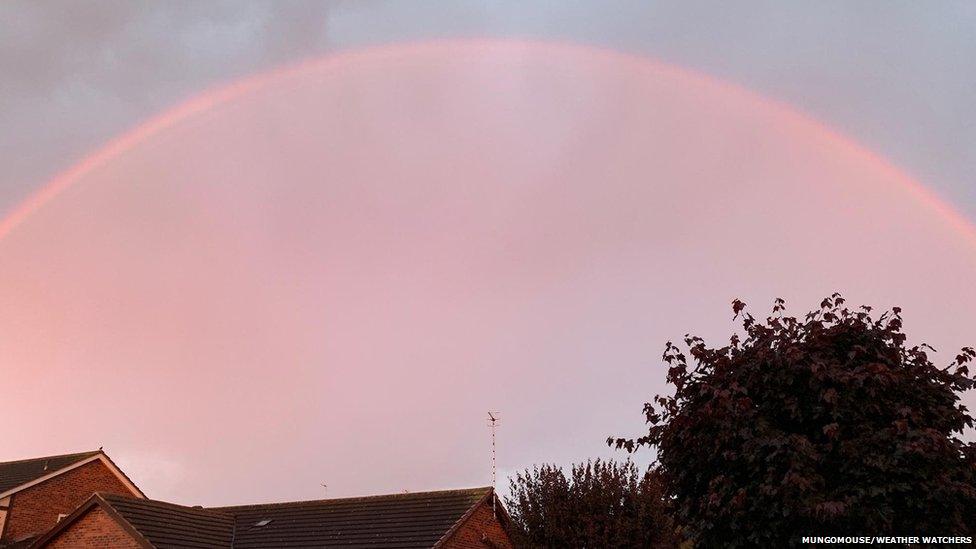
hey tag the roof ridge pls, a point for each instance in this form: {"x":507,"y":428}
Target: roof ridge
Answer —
{"x":108,"y":497}
{"x":354,"y":498}
{"x":88,"y":453}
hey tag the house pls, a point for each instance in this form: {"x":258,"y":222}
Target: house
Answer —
{"x":36,"y":493}
{"x":471,"y":518}
{"x":84,"y":500}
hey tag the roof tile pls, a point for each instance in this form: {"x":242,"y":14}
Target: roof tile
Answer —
{"x":17,"y":473}
{"x":398,"y":521}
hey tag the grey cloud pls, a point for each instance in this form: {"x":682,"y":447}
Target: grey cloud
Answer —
{"x":896,"y":76}
{"x":75,"y":74}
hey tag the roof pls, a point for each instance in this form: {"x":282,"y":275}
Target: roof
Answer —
{"x":401,"y":521}
{"x":169,"y":525}
{"x":17,"y":473}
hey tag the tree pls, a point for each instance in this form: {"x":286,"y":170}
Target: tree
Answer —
{"x":601,"y":504}
{"x":827,"y":426}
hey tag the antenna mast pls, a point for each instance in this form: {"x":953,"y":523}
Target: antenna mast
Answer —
{"x":492,"y":423}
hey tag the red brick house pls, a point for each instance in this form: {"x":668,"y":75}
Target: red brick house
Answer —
{"x":36,"y":493}
{"x":459,"y":519}
{"x":84,"y":500}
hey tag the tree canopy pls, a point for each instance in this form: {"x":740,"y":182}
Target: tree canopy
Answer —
{"x":827,"y":425}
{"x":601,"y":504}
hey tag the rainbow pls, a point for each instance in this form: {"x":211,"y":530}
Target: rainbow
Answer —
{"x":228,"y":93}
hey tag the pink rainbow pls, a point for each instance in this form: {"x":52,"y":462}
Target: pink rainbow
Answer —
{"x":229,"y":92}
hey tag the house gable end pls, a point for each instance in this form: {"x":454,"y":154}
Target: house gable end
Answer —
{"x":484,"y":525}
{"x":93,"y":524}
{"x":100,"y":456}
{"x":36,"y":508}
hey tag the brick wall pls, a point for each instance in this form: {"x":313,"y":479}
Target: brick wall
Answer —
{"x":35,"y":510}
{"x":93,"y":529}
{"x":481,"y":530}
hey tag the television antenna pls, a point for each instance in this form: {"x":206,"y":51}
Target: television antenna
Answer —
{"x":493,"y":424}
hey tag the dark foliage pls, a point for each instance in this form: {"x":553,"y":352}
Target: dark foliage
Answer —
{"x":601,"y":504}
{"x":830,"y":425}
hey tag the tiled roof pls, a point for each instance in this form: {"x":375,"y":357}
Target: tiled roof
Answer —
{"x":16,"y":473}
{"x":167,"y":525}
{"x":399,"y":520}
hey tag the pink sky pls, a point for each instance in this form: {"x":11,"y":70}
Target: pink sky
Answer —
{"x":332,"y":274}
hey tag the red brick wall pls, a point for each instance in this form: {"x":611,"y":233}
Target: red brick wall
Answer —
{"x":93,"y":529}
{"x":35,"y":510}
{"x":481,"y":523}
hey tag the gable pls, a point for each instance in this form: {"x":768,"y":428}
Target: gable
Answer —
{"x":18,"y":473}
{"x":36,"y":508}
{"x":94,"y":528}
{"x":482,"y":527}
{"x":451,"y":518}
{"x":167,"y":525}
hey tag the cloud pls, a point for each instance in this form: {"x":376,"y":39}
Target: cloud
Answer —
{"x":341,"y":272}
{"x":76,"y":74}
{"x":896,"y":77}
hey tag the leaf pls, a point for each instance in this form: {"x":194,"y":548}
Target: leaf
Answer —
{"x":737,"y":307}
{"x":830,"y":423}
